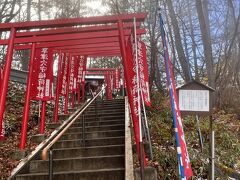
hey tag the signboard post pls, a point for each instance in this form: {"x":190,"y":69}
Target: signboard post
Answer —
{"x":196,"y":99}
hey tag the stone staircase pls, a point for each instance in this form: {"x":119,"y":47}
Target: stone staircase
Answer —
{"x":101,"y":158}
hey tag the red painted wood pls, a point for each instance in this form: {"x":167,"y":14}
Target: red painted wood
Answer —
{"x":66,"y":43}
{"x":73,"y":21}
{"x":89,"y":46}
{"x":67,"y":30}
{"x":79,"y":36}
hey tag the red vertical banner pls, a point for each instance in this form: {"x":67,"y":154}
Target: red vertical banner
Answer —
{"x":82,"y":60}
{"x":81,"y":69}
{"x":42,"y":79}
{"x":64,"y":75}
{"x":131,"y":85}
{"x":117,"y":79}
{"x":185,"y":169}
{"x":73,"y":80}
{"x":143,"y":72}
{"x":183,"y":146}
{"x":109,"y":87}
{"x":84,"y":70}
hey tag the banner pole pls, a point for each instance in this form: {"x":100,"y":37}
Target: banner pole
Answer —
{"x":43,"y":113}
{"x":147,"y":128}
{"x":27,"y":101}
{"x":78,"y":94}
{"x":185,"y":170}
{"x":83,"y":91}
{"x":127,"y":76}
{"x":139,"y":103}
{"x":73,"y":99}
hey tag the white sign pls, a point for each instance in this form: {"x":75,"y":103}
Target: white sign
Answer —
{"x":194,"y":100}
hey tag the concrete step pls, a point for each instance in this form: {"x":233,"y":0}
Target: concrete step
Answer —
{"x":105,"y":107}
{"x":100,"y":174}
{"x":71,"y":110}
{"x":110,"y":101}
{"x":88,"y":151}
{"x":106,"y":112}
{"x":77,"y":164}
{"x":96,"y":128}
{"x":101,"y":108}
{"x":88,"y":123}
{"x":101,"y":158}
{"x":92,"y":135}
{"x":101,"y":105}
{"x":103,"y":115}
{"x":89,"y":142}
{"x":98,"y":123}
{"x":104,"y":118}
{"x":63,"y":116}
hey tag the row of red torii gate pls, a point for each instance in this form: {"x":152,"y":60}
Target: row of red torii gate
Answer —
{"x":73,"y":41}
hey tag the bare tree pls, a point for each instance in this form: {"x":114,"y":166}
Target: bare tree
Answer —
{"x":206,"y":38}
{"x":178,"y":42}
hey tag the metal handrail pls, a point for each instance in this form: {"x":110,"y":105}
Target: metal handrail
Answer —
{"x":45,"y":150}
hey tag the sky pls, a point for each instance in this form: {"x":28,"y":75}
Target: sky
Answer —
{"x":97,"y":6}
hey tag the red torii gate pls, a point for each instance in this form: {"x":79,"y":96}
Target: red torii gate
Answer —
{"x":66,"y":35}
{"x":69,"y":36}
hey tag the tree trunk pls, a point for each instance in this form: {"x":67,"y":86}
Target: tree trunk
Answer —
{"x":206,"y":38}
{"x":193,"y":42}
{"x":39,"y":10}
{"x":178,"y":42}
{"x":26,"y":53}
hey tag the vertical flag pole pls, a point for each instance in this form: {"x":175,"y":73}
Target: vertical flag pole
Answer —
{"x":139,"y":103}
{"x":43,"y":113}
{"x":78,"y":94}
{"x":147,"y":128}
{"x":166,"y":58}
{"x":73,"y":99}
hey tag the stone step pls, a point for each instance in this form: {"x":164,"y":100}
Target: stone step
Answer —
{"x":110,"y":101}
{"x":63,"y":116}
{"x":104,"y":118}
{"x":87,"y":123}
{"x":89,"y":142}
{"x":103,"y":115}
{"x":106,"y":106}
{"x":100,"y":157}
{"x":92,"y":135}
{"x":77,"y":164}
{"x":100,"y":174}
{"x":97,"y":128}
{"x":106,"y":112}
{"x":88,"y":151}
{"x":99,"y":123}
{"x":101,"y":108}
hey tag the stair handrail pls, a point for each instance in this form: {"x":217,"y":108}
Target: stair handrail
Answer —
{"x":46,"y":149}
{"x":43,"y":144}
